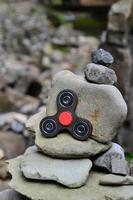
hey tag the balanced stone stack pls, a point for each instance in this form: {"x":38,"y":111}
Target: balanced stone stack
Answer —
{"x":60,"y":167}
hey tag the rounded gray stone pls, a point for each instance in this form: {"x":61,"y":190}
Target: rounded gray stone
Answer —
{"x":100,"y":74}
{"x":102,"y":57}
{"x":102,"y":105}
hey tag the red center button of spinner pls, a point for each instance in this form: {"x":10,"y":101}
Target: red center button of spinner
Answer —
{"x":65,"y":118}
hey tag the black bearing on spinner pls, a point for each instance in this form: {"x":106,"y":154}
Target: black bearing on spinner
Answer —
{"x":48,"y":127}
{"x":67,"y":99}
{"x":82,"y":129}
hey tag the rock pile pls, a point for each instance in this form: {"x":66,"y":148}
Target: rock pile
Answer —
{"x":31,"y":51}
{"x":59,"y":162}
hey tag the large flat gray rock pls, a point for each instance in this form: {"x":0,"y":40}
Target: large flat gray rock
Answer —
{"x":102,"y":105}
{"x":71,"y":173}
{"x":63,"y":145}
{"x":48,"y":190}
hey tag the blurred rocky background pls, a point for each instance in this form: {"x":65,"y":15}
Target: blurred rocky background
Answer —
{"x":41,"y":37}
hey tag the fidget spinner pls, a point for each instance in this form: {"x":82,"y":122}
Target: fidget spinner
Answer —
{"x":66,"y":119}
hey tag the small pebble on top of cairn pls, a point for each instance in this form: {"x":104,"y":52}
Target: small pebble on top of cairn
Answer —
{"x":98,"y":71}
{"x":102,"y":57}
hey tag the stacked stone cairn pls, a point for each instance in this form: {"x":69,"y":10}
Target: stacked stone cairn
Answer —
{"x":63,"y":167}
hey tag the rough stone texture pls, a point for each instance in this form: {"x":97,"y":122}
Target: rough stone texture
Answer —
{"x":33,"y":122}
{"x":102,"y":57}
{"x":13,"y":121}
{"x":17,"y":73}
{"x":65,"y":146}
{"x":100,"y":74}
{"x":123,"y":69}
{"x":131,"y":167}
{"x":119,"y":16}
{"x":2,"y":154}
{"x":3,"y":170}
{"x":7,"y":141}
{"x":96,"y":3}
{"x":71,"y":173}
{"x":113,"y":160}
{"x":116,"y":180}
{"x":85,"y":2}
{"x":26,"y":37}
{"x":120,"y":167}
{"x":92,"y":190}
{"x":11,"y":195}
{"x":31,"y":150}
{"x":12,"y":100}
{"x":94,"y":102}
{"x":117,"y":38}
{"x":58,"y":146}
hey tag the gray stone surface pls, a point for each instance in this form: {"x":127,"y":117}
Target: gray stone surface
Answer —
{"x":17,"y":73}
{"x":119,"y":20}
{"x":102,"y":57}
{"x":92,"y":190}
{"x":63,"y":145}
{"x":119,"y":15}
{"x":32,"y":123}
{"x":94,"y":102}
{"x":116,"y":180}
{"x":131,"y":167}
{"x":11,"y":195}
{"x":71,"y":173}
{"x":31,"y":150}
{"x":100,"y":74}
{"x":123,"y":69}
{"x":113,"y":160}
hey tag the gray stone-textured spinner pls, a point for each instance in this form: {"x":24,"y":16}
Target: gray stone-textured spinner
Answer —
{"x":54,"y":165}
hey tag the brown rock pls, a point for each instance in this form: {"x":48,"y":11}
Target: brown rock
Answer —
{"x":12,"y":144}
{"x":11,"y":100}
{"x":3,"y":170}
